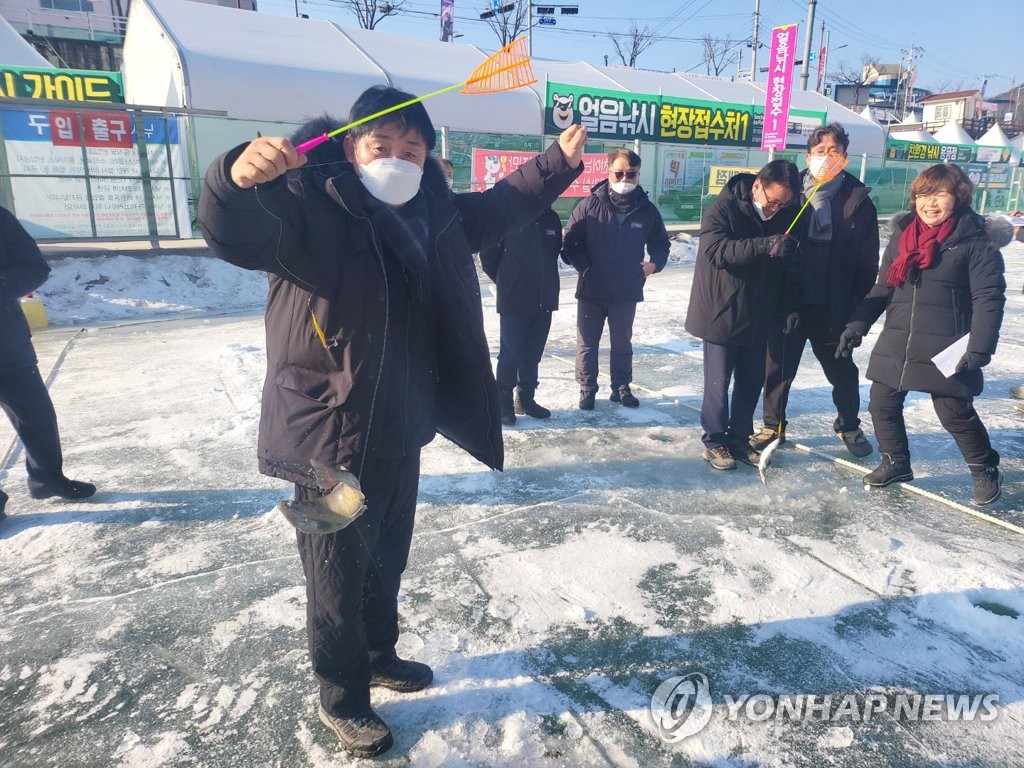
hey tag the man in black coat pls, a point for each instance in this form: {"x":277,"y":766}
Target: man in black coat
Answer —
{"x":23,"y":394}
{"x":375,"y":341}
{"x":838,"y":263}
{"x":744,"y":287}
{"x":605,"y":241}
{"x":524,"y":267}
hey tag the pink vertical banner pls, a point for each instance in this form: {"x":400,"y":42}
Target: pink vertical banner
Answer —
{"x":779,"y":88}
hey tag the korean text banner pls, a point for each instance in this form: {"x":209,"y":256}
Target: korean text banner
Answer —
{"x":61,"y":85}
{"x":617,"y":115}
{"x":929,"y":153}
{"x":492,"y":165}
{"x":779,"y":88}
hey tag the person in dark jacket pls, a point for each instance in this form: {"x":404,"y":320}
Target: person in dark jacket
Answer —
{"x":375,"y":341}
{"x":23,"y":394}
{"x":524,"y":267}
{"x":941,"y":281}
{"x":605,"y":240}
{"x":838,"y":265}
{"x":742,"y":280}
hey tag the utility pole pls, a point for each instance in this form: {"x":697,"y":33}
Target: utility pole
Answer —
{"x":529,"y":27}
{"x":808,"y":35}
{"x":908,"y":93}
{"x":754,"y":43}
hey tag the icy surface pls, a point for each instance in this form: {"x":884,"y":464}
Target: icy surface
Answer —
{"x":162,"y":622}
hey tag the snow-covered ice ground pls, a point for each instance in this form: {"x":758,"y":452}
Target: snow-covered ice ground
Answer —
{"x":162,"y":623}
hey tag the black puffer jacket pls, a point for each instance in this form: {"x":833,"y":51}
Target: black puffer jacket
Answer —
{"x":963,"y":291}
{"x":609,"y":254}
{"x":314,"y":234}
{"x":851,"y":256}
{"x":22,"y":270}
{"x":739,"y":294}
{"x":524,"y":266}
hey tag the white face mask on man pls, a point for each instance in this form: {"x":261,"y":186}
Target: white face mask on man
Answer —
{"x":760,"y":210}
{"x":815,"y":165}
{"x":391,"y":180}
{"x":622,"y":187}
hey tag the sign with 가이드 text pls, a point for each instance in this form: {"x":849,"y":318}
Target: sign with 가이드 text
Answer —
{"x":61,"y":85}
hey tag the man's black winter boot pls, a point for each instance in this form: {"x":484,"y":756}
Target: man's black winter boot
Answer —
{"x":3,"y":503}
{"x":72,"y":490}
{"x":402,"y":675}
{"x":624,"y":396}
{"x":527,"y":406}
{"x":364,"y":735}
{"x":988,"y":483}
{"x":587,"y":401}
{"x":505,"y":406}
{"x":892,"y":469}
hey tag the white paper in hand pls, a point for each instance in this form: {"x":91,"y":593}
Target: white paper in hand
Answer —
{"x":947,"y":359}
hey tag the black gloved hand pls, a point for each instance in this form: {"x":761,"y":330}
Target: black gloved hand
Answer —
{"x":847,"y":341}
{"x":781,"y":247}
{"x":973,"y":361}
{"x":792,"y":322}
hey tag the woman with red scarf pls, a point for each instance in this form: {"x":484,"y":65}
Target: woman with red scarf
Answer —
{"x":941,"y":279}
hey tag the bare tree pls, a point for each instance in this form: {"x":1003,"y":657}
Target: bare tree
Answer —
{"x":950,"y":86}
{"x":370,"y":13}
{"x":858,"y":79}
{"x":629,"y":46}
{"x":718,"y":53}
{"x":508,"y":26}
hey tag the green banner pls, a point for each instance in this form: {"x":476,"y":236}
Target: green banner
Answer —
{"x":922,"y":152}
{"x":61,"y":85}
{"x":667,"y":119}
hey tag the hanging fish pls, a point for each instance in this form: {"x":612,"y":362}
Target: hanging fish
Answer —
{"x":329,"y":513}
{"x":766,"y":457}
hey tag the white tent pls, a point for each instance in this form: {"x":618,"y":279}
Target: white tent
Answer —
{"x":15,"y":51}
{"x":911,"y":118}
{"x":255,"y":66}
{"x":993,"y":137}
{"x":953,"y":133}
{"x":919,"y":136}
{"x":1018,"y":144}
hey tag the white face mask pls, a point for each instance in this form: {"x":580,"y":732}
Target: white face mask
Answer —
{"x":815,"y":164}
{"x":390,"y":180}
{"x":760,"y":210}
{"x":622,"y":187}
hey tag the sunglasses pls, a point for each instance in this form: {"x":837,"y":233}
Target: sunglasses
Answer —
{"x":620,"y":175}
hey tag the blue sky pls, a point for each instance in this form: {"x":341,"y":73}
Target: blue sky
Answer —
{"x":948,"y":56}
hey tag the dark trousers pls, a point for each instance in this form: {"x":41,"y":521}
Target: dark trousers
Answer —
{"x":522,"y":343}
{"x":352,"y":582}
{"x":25,"y":399}
{"x":743,"y":366}
{"x":784,"y":353}
{"x":956,"y":414}
{"x":590,"y":318}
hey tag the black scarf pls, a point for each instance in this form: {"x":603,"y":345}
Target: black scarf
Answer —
{"x":623,"y":203}
{"x":405,"y":232}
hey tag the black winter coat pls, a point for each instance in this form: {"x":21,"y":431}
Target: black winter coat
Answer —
{"x":608,"y":255}
{"x":313,"y":233}
{"x":852,"y":253}
{"x":963,"y":291}
{"x":524,"y":267}
{"x":22,"y":270}
{"x":739,"y":294}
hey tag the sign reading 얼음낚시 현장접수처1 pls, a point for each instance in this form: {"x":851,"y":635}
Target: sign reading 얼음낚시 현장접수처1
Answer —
{"x":619,"y":115}
{"x":779,"y":88}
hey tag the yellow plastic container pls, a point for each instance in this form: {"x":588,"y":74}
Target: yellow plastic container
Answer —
{"x":34,"y":311}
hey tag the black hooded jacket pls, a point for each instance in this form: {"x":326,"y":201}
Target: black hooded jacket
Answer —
{"x":524,"y":267}
{"x":962,"y":292}
{"x":608,"y":253}
{"x":739,"y":294}
{"x":370,"y":393}
{"x":22,"y":270}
